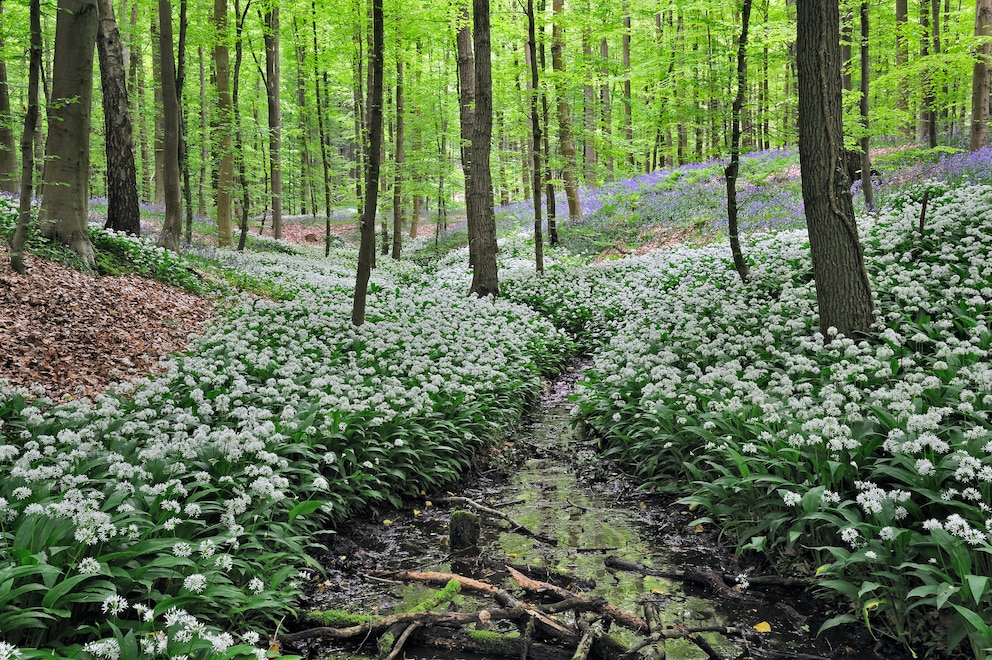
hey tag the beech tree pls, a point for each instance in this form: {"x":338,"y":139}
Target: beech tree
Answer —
{"x":485,"y":279}
{"x":8,"y":155}
{"x":981,"y":97}
{"x":366,"y":251}
{"x":27,"y":140}
{"x":273,"y":80}
{"x":172,"y":226}
{"x":225,"y":125}
{"x":843,"y":292}
{"x":65,"y":205}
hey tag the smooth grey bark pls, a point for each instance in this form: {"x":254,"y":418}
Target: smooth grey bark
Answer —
{"x":224,"y":126}
{"x":9,"y":179}
{"x":27,"y":141}
{"x":172,"y":226}
{"x":272,"y":82}
{"x":978,"y":136}
{"x":64,"y":207}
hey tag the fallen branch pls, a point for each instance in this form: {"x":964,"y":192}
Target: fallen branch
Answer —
{"x":623,"y":618}
{"x":434,"y":577}
{"x":395,"y":652}
{"x":515,"y":526}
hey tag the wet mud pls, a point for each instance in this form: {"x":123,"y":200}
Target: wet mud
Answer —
{"x":594,"y":525}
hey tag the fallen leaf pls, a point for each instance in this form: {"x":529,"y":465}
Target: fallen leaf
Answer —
{"x":764,"y":626}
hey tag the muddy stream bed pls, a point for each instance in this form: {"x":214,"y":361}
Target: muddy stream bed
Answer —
{"x":593,"y":526}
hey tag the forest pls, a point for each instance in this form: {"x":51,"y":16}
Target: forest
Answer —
{"x":312,"y":264}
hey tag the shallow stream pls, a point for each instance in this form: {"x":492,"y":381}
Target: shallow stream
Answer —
{"x":552,"y":483}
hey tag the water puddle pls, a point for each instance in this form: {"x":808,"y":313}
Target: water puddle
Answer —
{"x":596,"y":525}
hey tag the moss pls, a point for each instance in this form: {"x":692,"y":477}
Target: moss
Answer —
{"x":338,"y":618}
{"x":496,"y":643}
{"x":438,"y":598}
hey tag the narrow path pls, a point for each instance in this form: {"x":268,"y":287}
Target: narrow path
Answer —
{"x":550,"y":482}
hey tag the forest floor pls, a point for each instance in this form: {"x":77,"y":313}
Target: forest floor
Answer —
{"x":73,"y":334}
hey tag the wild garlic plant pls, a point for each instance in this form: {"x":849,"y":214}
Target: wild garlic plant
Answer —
{"x":175,"y":514}
{"x":873,"y":453}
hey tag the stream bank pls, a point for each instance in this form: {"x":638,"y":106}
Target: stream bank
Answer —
{"x":597,"y":536}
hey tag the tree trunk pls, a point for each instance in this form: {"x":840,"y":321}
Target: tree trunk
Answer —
{"x":399,"y":158}
{"x":272,"y":82}
{"x":902,"y":57}
{"x":366,"y":252}
{"x":628,"y":99}
{"x":9,"y":180}
{"x":224,"y":127}
{"x":485,"y":278}
{"x":173,"y":224}
{"x":589,"y":98}
{"x":466,"y":112}
{"x":308,"y":194}
{"x":535,"y":122}
{"x":604,"y":104}
{"x":321,"y":134}
{"x":863,"y":106}
{"x":735,"y":146}
{"x":980,"y":90}
{"x":843,"y":292}
{"x":238,"y":136}
{"x":123,"y":212}
{"x":158,"y":132}
{"x":928,"y":116}
{"x":566,"y":143}
{"x":27,"y":141}
{"x":187,"y":190}
{"x":64,"y":208}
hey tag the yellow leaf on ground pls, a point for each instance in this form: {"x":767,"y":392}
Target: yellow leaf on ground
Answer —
{"x":387,"y":522}
{"x":764,"y":626}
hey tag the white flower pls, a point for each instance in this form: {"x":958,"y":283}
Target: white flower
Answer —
{"x":790,"y":498}
{"x":114,"y":604}
{"x":196,"y":582}
{"x":256,"y":586}
{"x":850,"y":535}
{"x":9,"y":651}
{"x":182,"y":549}
{"x":89,"y":566}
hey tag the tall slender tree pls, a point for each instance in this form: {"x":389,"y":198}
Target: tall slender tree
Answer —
{"x":273,"y":78}
{"x":866,"y":187}
{"x":8,"y":155}
{"x":224,"y":125}
{"x":466,"y":115}
{"x":535,"y":122}
{"x":65,"y":204}
{"x":366,"y":251}
{"x":566,"y":143}
{"x":172,"y":226}
{"x":735,"y":145}
{"x":27,"y":140}
{"x":843,"y":292}
{"x":980,"y":94}
{"x":398,"y":160}
{"x":123,"y":212}
{"x":485,"y":277}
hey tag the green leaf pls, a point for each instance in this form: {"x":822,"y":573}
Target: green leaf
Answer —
{"x":978,"y":585}
{"x":304,"y":509}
